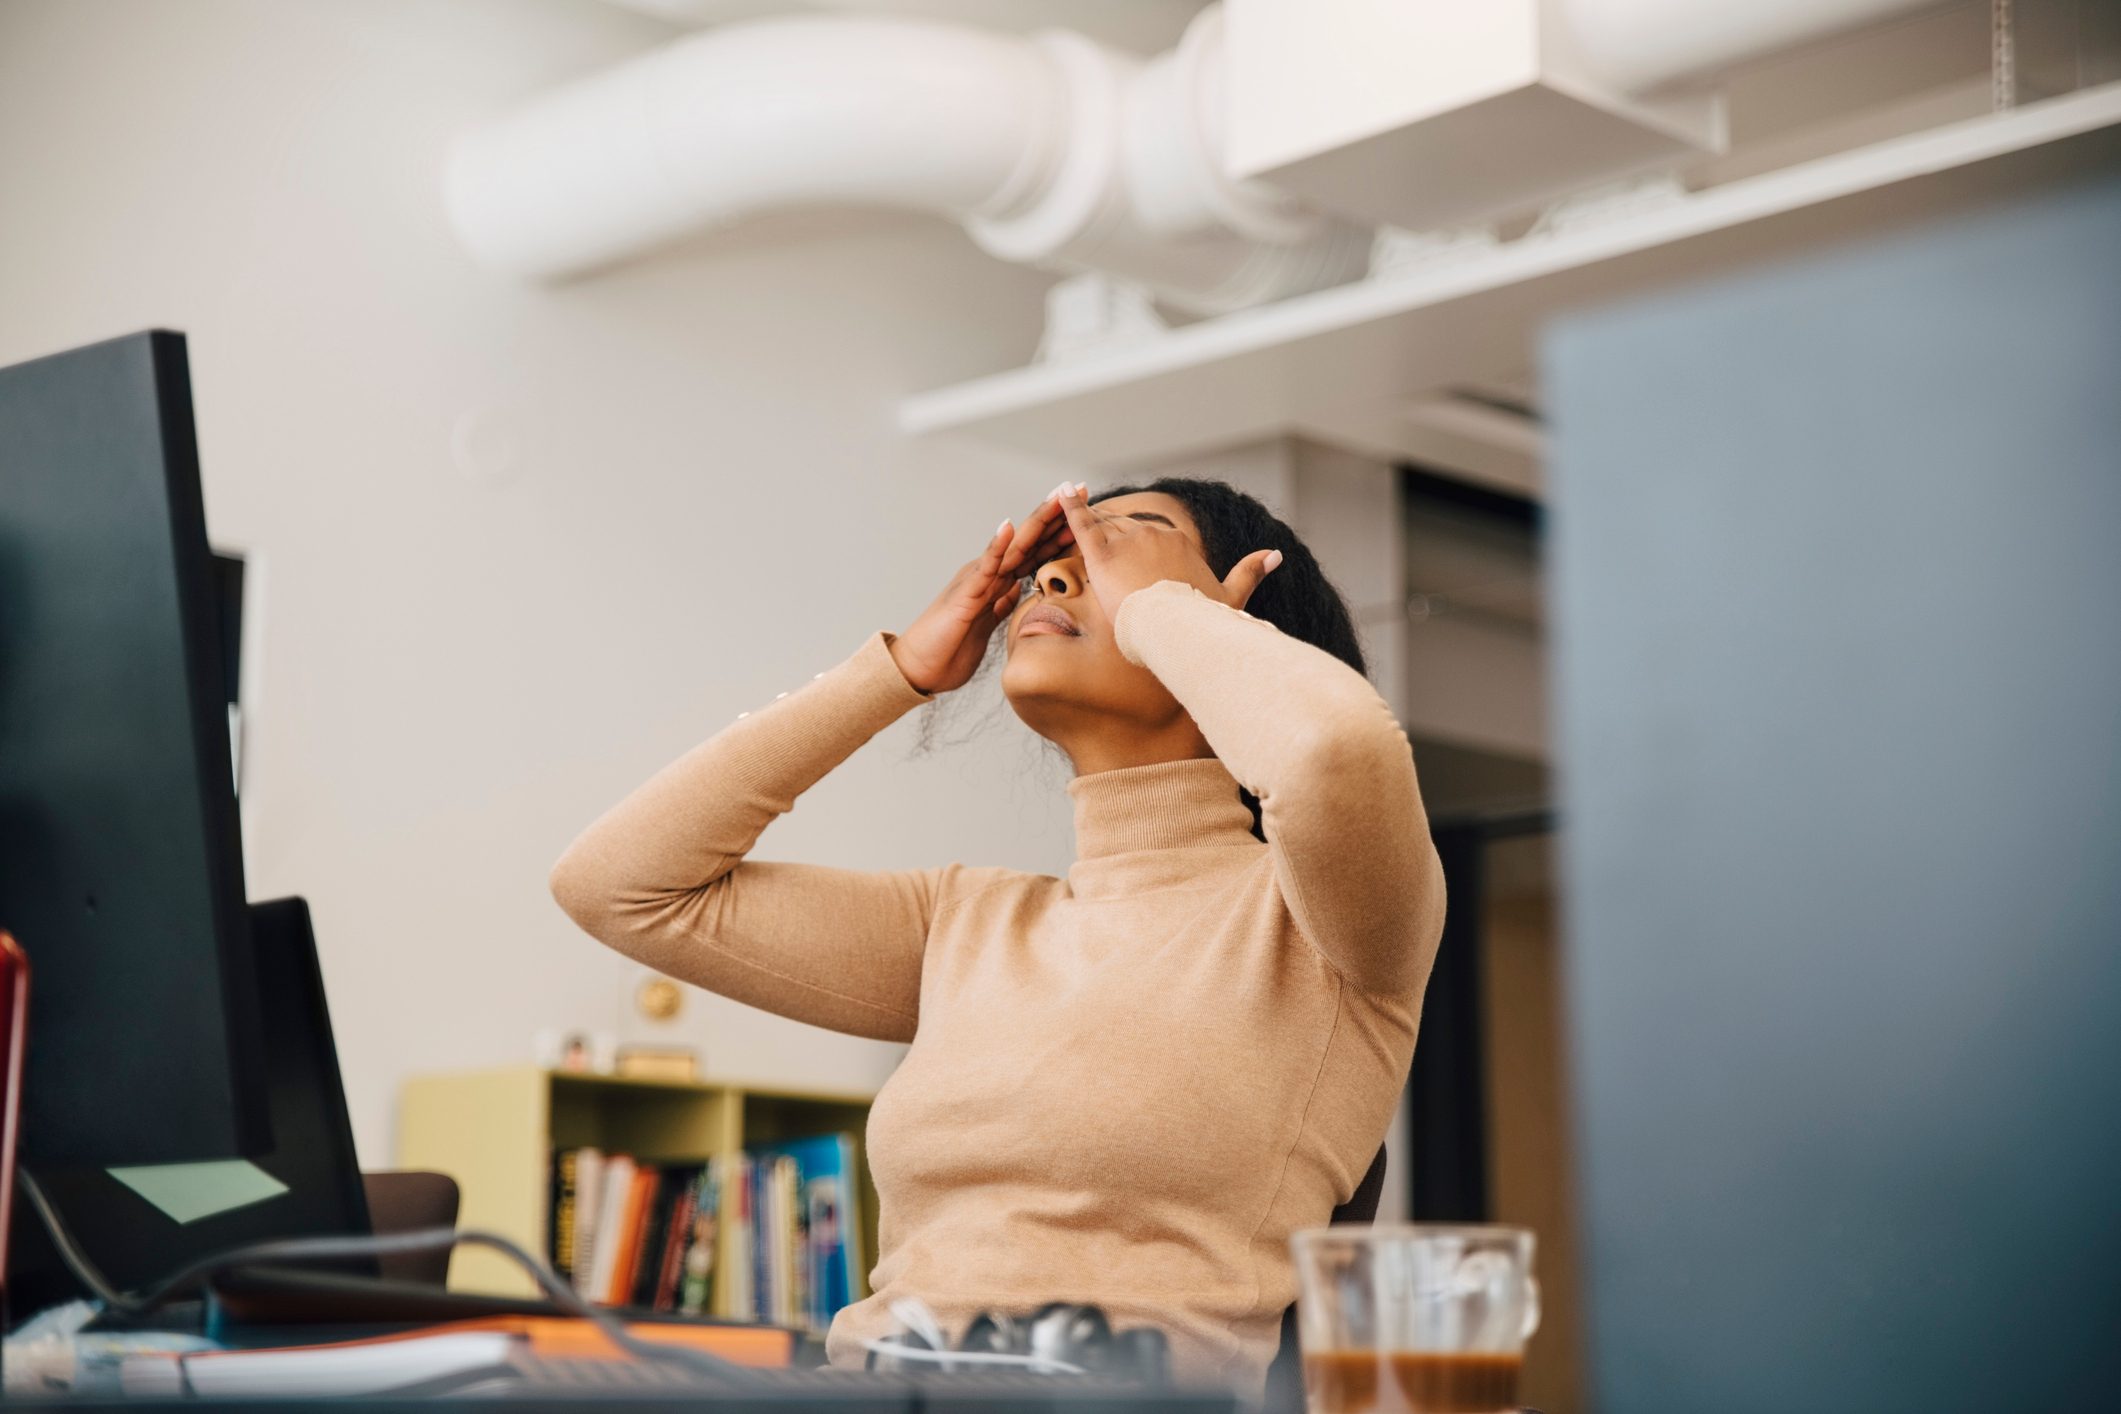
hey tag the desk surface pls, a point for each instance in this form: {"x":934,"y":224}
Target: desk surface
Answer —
{"x":779,"y":1391}
{"x":788,"y":1401}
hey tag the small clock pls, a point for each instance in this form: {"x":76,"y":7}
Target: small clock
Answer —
{"x":659,"y":998}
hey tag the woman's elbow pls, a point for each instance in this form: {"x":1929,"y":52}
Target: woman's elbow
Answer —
{"x":1366,"y":757}
{"x":582,"y":891}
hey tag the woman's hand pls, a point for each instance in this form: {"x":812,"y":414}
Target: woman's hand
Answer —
{"x":943,"y":648}
{"x":1121,"y":554}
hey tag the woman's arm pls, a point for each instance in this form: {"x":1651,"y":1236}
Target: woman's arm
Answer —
{"x":1331,"y":766}
{"x":662,"y":876}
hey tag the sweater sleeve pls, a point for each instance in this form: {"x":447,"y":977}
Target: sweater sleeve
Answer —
{"x":1332,"y":767}
{"x":662,"y":876}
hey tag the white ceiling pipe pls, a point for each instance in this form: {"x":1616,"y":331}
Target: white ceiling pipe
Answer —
{"x":1053,"y":150}
{"x":732,"y":122}
{"x":1640,"y":45}
{"x":1142,"y":193}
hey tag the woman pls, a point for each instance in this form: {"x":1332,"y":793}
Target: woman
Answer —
{"x":1130,"y":1084}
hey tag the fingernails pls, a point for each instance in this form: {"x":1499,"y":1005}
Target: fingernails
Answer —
{"x":1273,"y":559}
{"x":999,"y":529}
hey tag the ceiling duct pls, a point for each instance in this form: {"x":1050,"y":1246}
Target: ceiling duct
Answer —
{"x":1052,"y":149}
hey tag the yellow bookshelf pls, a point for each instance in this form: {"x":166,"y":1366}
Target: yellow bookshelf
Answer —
{"x":496,"y":1131}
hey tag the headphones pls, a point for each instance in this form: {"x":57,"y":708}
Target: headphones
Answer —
{"x":1060,"y":1337}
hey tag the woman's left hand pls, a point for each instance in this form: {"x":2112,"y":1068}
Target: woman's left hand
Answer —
{"x":1121,"y":554}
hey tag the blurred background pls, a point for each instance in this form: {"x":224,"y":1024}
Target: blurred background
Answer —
{"x":573,"y":375}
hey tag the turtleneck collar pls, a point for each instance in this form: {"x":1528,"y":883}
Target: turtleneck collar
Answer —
{"x":1146,"y":827}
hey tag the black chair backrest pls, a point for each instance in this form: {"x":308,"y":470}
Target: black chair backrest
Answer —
{"x":1285,"y":1381}
{"x":404,"y":1200}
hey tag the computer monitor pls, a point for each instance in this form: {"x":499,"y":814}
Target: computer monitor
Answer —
{"x":120,"y":866}
{"x":141,"y":1225}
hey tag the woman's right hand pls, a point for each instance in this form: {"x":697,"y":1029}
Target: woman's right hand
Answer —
{"x":943,"y":648}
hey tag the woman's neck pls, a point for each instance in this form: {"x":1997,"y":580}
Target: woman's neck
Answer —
{"x":1092,"y":753}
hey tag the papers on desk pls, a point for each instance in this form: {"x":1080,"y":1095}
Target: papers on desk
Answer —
{"x":394,"y":1362}
{"x":317,"y":1370}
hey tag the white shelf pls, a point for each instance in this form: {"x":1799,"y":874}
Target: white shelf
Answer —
{"x":1338,"y":364}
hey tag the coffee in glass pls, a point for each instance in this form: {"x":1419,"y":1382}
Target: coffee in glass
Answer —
{"x":1414,"y":1318}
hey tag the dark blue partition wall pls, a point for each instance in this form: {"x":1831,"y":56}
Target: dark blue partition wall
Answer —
{"x":1837,"y":599}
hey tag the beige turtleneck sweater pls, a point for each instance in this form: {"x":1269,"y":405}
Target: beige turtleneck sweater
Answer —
{"x":1127,"y":1085}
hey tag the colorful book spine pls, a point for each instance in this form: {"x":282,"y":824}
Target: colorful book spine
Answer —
{"x":560,"y":1212}
{"x":648,"y":1252}
{"x":769,"y":1234}
{"x":746,"y":1272}
{"x":640,"y":1196}
{"x":702,"y":1245}
{"x":679,"y":1194}
{"x":795,"y":1242}
{"x":761,"y":1197}
{"x":609,"y":1241}
{"x":588,"y":1204}
{"x":814,"y":1220}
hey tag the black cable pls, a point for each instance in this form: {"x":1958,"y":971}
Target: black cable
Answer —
{"x":298,"y":1249}
{"x":70,"y":1253}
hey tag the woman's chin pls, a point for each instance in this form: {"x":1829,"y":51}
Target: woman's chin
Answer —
{"x":1037,"y":672}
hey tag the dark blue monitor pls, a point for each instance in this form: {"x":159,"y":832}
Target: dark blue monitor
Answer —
{"x":121,"y":870}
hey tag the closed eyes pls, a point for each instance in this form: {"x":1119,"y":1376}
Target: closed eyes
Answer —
{"x":1029,"y":580}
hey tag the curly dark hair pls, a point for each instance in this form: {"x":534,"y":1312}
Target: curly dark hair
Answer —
{"x":1296,"y":598}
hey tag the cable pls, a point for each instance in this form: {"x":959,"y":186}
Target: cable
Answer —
{"x":298,"y":1249}
{"x":77,"y":1262}
{"x":884,"y":1345}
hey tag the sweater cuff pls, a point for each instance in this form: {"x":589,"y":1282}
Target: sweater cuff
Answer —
{"x":865,"y":690}
{"x":881,"y":675}
{"x":1127,"y":622}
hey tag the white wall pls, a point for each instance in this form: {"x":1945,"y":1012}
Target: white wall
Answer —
{"x":686,"y":493}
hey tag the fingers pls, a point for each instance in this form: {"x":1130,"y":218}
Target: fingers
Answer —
{"x":1245,"y":576}
{"x":1082,"y":520}
{"x":998,"y":545}
{"x":995,"y":562}
{"x":1043,"y":532}
{"x":970,"y":592}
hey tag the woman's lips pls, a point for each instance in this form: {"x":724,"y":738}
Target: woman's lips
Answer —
{"x":1048,"y":618}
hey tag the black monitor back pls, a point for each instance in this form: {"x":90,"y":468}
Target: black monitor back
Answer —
{"x":120,"y":867}
{"x":135,"y":1243}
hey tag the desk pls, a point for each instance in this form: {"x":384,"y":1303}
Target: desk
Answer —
{"x":856,"y":1394}
{"x":521,"y":1379}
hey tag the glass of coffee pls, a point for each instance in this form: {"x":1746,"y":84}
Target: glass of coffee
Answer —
{"x":1414,"y":1318}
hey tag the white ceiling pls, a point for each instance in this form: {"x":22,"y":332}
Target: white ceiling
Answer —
{"x":1143,"y":26}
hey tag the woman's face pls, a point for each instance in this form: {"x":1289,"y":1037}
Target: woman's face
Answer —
{"x":1066,"y":684}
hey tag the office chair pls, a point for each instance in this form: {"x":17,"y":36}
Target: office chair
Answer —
{"x":1285,"y":1377}
{"x":408,"y":1201}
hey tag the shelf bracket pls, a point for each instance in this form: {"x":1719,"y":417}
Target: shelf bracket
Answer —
{"x":1094,"y":313}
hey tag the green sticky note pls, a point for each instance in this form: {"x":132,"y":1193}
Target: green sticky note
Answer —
{"x":189,"y":1192}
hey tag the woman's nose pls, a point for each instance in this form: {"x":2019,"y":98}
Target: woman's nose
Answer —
{"x":1059,"y":579}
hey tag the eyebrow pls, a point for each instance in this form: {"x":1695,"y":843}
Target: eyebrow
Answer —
{"x":1138,"y":515}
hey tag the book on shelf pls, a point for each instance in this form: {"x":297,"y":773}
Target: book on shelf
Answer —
{"x":702,"y":1244}
{"x":588,"y":1198}
{"x":737,"y":1295}
{"x":606,"y":1234}
{"x":770,"y":1234}
{"x":560,"y":1213}
{"x":812,"y":1226}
